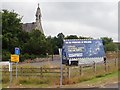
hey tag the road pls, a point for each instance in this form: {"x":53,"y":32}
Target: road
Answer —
{"x":52,"y":63}
{"x":113,"y":85}
{"x":84,"y":85}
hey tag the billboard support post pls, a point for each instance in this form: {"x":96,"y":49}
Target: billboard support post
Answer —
{"x":60,"y":53}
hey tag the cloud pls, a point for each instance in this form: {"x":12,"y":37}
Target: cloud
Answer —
{"x":76,"y":29}
{"x":95,"y":14}
{"x":94,"y":19}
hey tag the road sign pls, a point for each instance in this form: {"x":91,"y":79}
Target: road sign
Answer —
{"x":17,"y":51}
{"x":14,"y":58}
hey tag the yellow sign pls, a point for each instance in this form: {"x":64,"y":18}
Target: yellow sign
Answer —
{"x":14,"y":58}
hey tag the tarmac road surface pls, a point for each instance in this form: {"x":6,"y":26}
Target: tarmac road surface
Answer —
{"x":55,"y":62}
{"x":113,"y":85}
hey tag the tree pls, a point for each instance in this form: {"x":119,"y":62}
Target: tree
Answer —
{"x":106,"y":40}
{"x":50,"y":43}
{"x":108,"y":44}
{"x":11,"y":27}
{"x":80,"y":37}
{"x":118,"y":46}
{"x":36,"y":44}
{"x":60,"y":38}
{"x":110,"y":47}
{"x":71,"y":37}
{"x":54,"y":43}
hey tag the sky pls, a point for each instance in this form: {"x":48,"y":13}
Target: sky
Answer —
{"x":87,"y":18}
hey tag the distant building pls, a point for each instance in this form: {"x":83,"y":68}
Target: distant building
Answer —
{"x":28,"y":27}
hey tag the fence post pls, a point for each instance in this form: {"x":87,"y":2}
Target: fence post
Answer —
{"x":41,"y":71}
{"x":94,"y":67}
{"x":81,"y":70}
{"x":21,"y":71}
{"x":108,"y":68}
{"x":68,"y":72}
{"x":63,"y":71}
{"x":105,"y":65}
{"x":115,"y":61}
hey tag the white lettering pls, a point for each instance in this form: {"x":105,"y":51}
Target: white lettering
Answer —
{"x":76,"y":55}
{"x":69,"y":42}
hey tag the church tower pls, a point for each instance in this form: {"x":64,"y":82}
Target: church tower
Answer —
{"x":28,"y":27}
{"x":38,"y":20}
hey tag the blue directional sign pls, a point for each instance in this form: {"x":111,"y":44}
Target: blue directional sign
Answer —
{"x":78,"y":48}
{"x":17,"y":51}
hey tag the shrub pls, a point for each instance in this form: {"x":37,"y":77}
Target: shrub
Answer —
{"x":24,"y":56}
{"x":5,"y":55}
{"x":32,"y":56}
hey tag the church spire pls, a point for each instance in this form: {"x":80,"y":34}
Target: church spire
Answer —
{"x":38,"y":5}
{"x":38,"y":14}
{"x":38,"y":19}
{"x":37,"y":25}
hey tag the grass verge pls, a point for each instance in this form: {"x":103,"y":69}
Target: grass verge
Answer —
{"x":98,"y":81}
{"x":53,"y":79}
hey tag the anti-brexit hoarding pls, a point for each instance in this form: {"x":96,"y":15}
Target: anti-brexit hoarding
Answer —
{"x":78,"y":48}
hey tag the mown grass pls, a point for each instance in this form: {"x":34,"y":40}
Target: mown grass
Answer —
{"x":106,"y":76}
{"x":89,"y":74}
{"x":90,"y":78}
{"x":98,"y":81}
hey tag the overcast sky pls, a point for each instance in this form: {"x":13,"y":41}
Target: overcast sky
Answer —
{"x":91,"y":19}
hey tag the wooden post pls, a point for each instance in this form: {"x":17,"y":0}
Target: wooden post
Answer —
{"x":115,"y":61}
{"x":81,"y":70}
{"x":94,"y":67}
{"x":68,"y":72}
{"x":65,"y":71}
{"x":105,"y":66}
{"x":21,"y":71}
{"x":108,"y":68}
{"x":16,"y":70}
{"x":41,"y":71}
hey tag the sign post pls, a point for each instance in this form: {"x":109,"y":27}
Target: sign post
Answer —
{"x":15,"y":58}
{"x":60,"y":53}
{"x":10,"y":70}
{"x":10,"y":66}
{"x":16,"y":69}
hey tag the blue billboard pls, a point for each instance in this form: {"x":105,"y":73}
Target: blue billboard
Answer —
{"x":78,"y":48}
